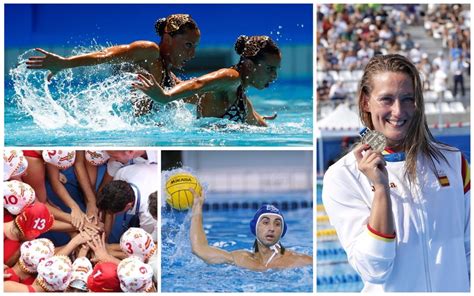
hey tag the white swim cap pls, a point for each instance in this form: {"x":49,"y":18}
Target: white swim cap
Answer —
{"x":34,"y":252}
{"x":97,"y":157}
{"x":62,"y":159}
{"x":16,"y":196}
{"x":14,"y":163}
{"x":54,"y":274}
{"x":134,"y":275}
{"x":137,"y":242}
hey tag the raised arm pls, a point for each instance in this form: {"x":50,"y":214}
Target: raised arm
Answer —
{"x":221,"y":80}
{"x":199,"y":244}
{"x":133,"y":52}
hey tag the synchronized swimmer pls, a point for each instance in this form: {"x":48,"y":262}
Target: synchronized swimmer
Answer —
{"x":220,"y":94}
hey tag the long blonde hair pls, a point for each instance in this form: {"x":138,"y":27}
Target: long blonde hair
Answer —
{"x":419,"y":138}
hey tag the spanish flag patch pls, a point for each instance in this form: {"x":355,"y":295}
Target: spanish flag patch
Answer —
{"x":443,"y":181}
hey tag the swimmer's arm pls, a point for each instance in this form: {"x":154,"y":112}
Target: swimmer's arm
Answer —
{"x":176,"y":79}
{"x":133,"y":52}
{"x":76,"y":241}
{"x":253,"y":118}
{"x":302,"y":259}
{"x":108,"y":223}
{"x":76,"y":212}
{"x":35,"y":176}
{"x":105,"y":180}
{"x":222,"y":80}
{"x":62,"y":226}
{"x":58,"y":214}
{"x":86,"y":187}
{"x":199,"y":244}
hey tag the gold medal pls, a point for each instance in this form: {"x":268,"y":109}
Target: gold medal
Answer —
{"x":375,"y":139}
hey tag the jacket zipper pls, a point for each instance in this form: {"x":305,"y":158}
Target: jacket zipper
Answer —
{"x":420,"y":211}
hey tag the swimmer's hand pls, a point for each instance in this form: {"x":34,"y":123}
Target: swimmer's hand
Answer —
{"x":270,"y":117}
{"x":98,"y":246}
{"x":372,"y":165}
{"x":151,"y":88}
{"x":198,"y":198}
{"x":52,"y":62}
{"x":78,"y":218}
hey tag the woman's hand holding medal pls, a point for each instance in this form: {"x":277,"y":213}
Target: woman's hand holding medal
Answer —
{"x":369,"y":158}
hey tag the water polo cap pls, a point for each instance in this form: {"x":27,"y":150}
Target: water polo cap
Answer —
{"x":137,"y":242}
{"x":267,"y":209}
{"x":134,"y":275}
{"x":14,"y":163}
{"x":16,"y":196}
{"x":54,"y":274}
{"x":34,"y":220}
{"x":34,"y":252}
{"x":81,"y":269}
{"x":97,"y":157}
{"x":62,"y":159}
{"x":104,"y":278}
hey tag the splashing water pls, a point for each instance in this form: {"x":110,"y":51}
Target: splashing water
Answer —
{"x":94,"y":98}
{"x":92,"y":106}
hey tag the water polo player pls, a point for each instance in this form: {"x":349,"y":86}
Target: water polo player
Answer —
{"x":179,"y":35}
{"x":268,"y":225}
{"x":222,"y":93}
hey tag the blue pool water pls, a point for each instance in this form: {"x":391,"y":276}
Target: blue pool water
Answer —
{"x":183,"y":272}
{"x":91,"y":106}
{"x":334,"y":274}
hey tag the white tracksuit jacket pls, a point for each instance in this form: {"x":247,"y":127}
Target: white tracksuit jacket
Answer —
{"x":431,"y":249}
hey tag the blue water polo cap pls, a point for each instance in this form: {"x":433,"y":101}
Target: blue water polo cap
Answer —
{"x":267,"y":209}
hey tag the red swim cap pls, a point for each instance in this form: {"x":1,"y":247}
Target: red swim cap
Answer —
{"x":34,"y":220}
{"x":104,"y":278}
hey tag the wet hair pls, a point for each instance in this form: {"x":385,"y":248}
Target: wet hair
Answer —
{"x":419,"y":138}
{"x":115,"y":196}
{"x":175,"y":24}
{"x":153,"y":204}
{"x":254,"y":47}
{"x":255,"y":248}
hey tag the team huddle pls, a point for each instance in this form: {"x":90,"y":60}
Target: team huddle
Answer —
{"x":80,"y":221}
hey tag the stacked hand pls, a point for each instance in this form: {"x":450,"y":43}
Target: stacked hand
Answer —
{"x":78,"y":218}
{"x":98,"y":246}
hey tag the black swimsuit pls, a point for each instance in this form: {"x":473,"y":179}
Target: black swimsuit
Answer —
{"x":238,"y":110}
{"x":142,"y":105}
